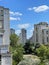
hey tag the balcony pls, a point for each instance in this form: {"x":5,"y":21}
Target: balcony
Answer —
{"x":4,"y":49}
{"x":1,"y":31}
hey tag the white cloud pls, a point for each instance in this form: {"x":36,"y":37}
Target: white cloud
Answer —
{"x":12,"y":13}
{"x":31,"y":30}
{"x":23,"y":25}
{"x":39,"y":8}
{"x":16,"y":19}
{"x":30,"y":9}
{"x":16,"y":13}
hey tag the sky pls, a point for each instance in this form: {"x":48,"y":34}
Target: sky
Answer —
{"x":26,"y":13}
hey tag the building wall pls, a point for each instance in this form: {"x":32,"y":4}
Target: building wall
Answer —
{"x":12,"y":31}
{"x":6,"y":59}
{"x":22,"y":37}
{"x":5,"y":56}
{"x":4,"y":27}
{"x":4,"y":22}
{"x":40,"y":35}
{"x":6,"y":35}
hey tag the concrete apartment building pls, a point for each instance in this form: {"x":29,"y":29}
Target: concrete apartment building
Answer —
{"x":22,"y":37}
{"x":31,"y":39}
{"x":41,"y":33}
{"x":5,"y":56}
{"x":12,"y":31}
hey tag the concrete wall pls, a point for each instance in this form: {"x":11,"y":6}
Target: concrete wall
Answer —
{"x":40,"y":34}
{"x":6,"y":59}
{"x":6,"y":35}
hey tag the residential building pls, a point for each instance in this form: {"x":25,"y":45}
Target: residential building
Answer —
{"x":22,"y":36}
{"x":31,"y":39}
{"x":12,"y":31}
{"x":5,"y":56}
{"x":41,"y":33}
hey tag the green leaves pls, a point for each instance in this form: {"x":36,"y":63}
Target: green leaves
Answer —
{"x":13,"y":40}
{"x":43,"y":52}
{"x":17,"y":50}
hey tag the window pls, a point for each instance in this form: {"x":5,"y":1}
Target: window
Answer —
{"x":0,"y":59}
{"x":47,"y":25}
{"x":1,"y":11}
{"x":1,"y":14}
{"x":1,"y":39}
{"x":36,"y":37}
{"x":46,"y":32}
{"x":47,"y":39}
{"x":36,"y":29}
{"x":1,"y":24}
{"x":42,"y":31}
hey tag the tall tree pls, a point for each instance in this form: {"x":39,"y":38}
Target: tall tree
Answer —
{"x":13,"y":40}
{"x":17,"y":50}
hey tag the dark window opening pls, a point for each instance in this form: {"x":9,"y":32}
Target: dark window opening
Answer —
{"x":0,"y":57}
{"x":47,"y":39}
{"x":46,"y":32}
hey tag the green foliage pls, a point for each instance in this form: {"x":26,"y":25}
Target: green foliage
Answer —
{"x":17,"y":50}
{"x":37,"y":45}
{"x":47,"y":53}
{"x":43,"y":52}
{"x":28,"y":48}
{"x":42,"y":63}
{"x":13,"y":40}
{"x":18,"y":54}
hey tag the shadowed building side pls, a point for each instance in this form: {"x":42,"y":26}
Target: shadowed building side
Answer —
{"x":22,"y":37}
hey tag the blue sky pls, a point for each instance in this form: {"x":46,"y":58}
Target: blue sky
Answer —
{"x":26,"y":13}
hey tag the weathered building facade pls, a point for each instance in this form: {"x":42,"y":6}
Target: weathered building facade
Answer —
{"x":5,"y":56}
{"x":41,"y":33}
